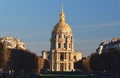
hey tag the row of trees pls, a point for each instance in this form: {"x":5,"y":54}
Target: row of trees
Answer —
{"x":106,"y":62}
{"x":17,"y":61}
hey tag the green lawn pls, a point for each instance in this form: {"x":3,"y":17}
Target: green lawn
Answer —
{"x":63,"y":77}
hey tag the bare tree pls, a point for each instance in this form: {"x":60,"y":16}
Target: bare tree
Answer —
{"x":4,"y":57}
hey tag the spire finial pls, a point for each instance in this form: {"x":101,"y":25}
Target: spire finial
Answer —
{"x":62,"y":8}
{"x":62,"y":15}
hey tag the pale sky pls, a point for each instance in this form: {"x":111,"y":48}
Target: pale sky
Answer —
{"x":32,"y":21}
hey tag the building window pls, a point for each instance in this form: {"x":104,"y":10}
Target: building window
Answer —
{"x":71,"y":37}
{"x":65,"y":45}
{"x":61,"y":56}
{"x":60,"y":35}
{"x":65,"y":66}
{"x":59,"y":45}
{"x":69,"y":66}
{"x":64,"y":36}
{"x":75,"y":58}
{"x":65,"y":56}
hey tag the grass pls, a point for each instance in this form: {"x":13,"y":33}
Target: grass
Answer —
{"x":63,"y":76}
{"x":38,"y":76}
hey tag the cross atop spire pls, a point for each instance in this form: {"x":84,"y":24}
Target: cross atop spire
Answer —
{"x":62,"y":16}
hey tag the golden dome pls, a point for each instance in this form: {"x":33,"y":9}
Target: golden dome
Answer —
{"x":62,"y":26}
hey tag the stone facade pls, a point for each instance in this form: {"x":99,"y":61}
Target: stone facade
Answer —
{"x":62,"y":46}
{"x":42,"y":64}
{"x":61,"y":55}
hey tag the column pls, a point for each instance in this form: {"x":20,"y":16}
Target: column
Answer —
{"x":64,"y":56}
{"x":67,"y":56}
{"x":64,"y":66}
{"x":67,"y":66}
{"x":57,"y":67}
{"x":57,"y":56}
{"x":56,"y":44}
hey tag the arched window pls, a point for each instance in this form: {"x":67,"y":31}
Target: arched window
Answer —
{"x":60,"y":35}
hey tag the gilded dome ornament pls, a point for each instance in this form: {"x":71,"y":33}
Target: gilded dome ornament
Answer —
{"x":62,"y":26}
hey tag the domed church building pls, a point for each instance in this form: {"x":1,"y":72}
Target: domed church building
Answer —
{"x":62,"y":47}
{"x":61,"y":56}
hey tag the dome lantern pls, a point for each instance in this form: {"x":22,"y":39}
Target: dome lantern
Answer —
{"x":62,"y":16}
